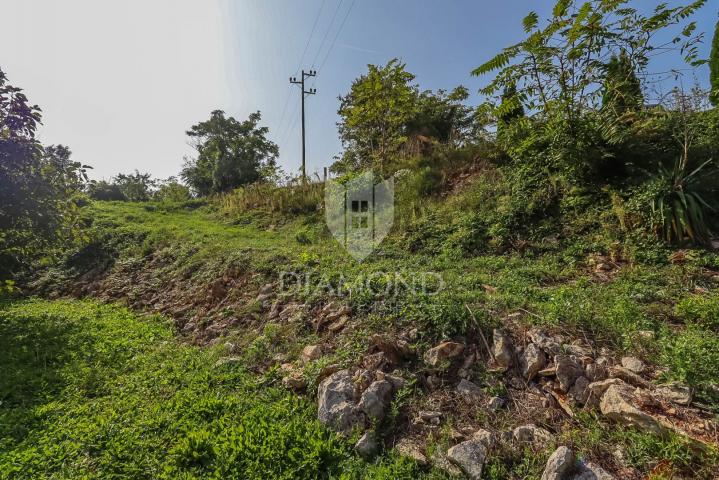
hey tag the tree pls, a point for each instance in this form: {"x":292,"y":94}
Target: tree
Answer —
{"x":38,"y":186}
{"x":510,"y":108}
{"x":106,"y":191}
{"x":171,"y":190}
{"x":560,"y":70}
{"x":714,"y":68}
{"x":230,"y":154}
{"x":374,"y":116}
{"x":135,"y":187}
{"x":442,"y":116}
{"x":622,"y":88}
{"x":561,"y":67}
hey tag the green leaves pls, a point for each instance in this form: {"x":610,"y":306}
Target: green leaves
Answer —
{"x":530,"y":21}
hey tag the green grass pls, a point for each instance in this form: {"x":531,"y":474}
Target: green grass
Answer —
{"x":94,"y":391}
{"x":552,"y":285}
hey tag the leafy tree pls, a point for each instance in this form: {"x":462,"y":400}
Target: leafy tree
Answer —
{"x":622,"y":88}
{"x":562,"y":65}
{"x":510,"y":109}
{"x":442,"y":116}
{"x":714,"y":67}
{"x":230,"y":154}
{"x":104,"y":190}
{"x":560,"y":71}
{"x":374,"y":116}
{"x":136,"y":187}
{"x":38,"y":186}
{"x":171,"y":190}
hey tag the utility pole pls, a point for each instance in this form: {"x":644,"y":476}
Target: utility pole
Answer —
{"x":304,"y":92}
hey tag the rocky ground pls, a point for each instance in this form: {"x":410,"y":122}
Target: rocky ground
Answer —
{"x":546,"y":380}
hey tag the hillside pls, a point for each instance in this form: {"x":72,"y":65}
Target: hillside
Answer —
{"x":514,"y":279}
{"x":220,"y":281}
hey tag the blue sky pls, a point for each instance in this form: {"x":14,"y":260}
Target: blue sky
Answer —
{"x":120,"y":82}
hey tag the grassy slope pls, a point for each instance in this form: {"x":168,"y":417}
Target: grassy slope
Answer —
{"x":556,"y":287}
{"x":93,"y":391}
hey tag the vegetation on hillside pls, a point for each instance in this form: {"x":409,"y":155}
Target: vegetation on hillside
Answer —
{"x":569,"y":198}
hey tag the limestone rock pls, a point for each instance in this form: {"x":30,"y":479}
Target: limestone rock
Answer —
{"x":568,"y":370}
{"x":294,"y":381}
{"x":675,"y":393}
{"x":336,"y":408}
{"x":546,"y":342}
{"x":592,"y":471}
{"x":617,"y":405}
{"x":496,"y":403}
{"x":444,"y":352}
{"x":628,"y":376}
{"x":531,"y":434}
{"x":469,"y":456}
{"x":633,"y":364}
{"x":470,"y":392}
{"x":561,"y":461}
{"x":376,"y":399}
{"x":367,"y":446}
{"x":439,"y":460}
{"x":595,"y":390}
{"x":487,"y":438}
{"x":579,"y":391}
{"x":532,"y":361}
{"x":502,"y":348}
{"x":311,"y":353}
{"x":397,"y":382}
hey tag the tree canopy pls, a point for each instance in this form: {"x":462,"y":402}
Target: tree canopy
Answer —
{"x":230,"y":154}
{"x":38,"y":186}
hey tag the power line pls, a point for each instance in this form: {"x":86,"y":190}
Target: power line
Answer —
{"x":314,"y":26}
{"x":344,"y":20}
{"x":329,"y":29}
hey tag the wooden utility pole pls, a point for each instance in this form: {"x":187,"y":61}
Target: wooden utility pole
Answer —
{"x":304,"y":93}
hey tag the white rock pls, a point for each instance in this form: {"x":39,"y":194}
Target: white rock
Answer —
{"x":531,"y":434}
{"x":633,"y":364}
{"x":531,"y":361}
{"x":470,"y":457}
{"x":561,"y":461}
{"x":442,"y":353}
{"x":311,"y":353}
{"x":675,"y":393}
{"x":502,"y":348}
{"x":336,"y":406}
{"x":366,"y":446}
{"x":591,"y":471}
{"x":376,"y":399}
{"x":617,"y":404}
